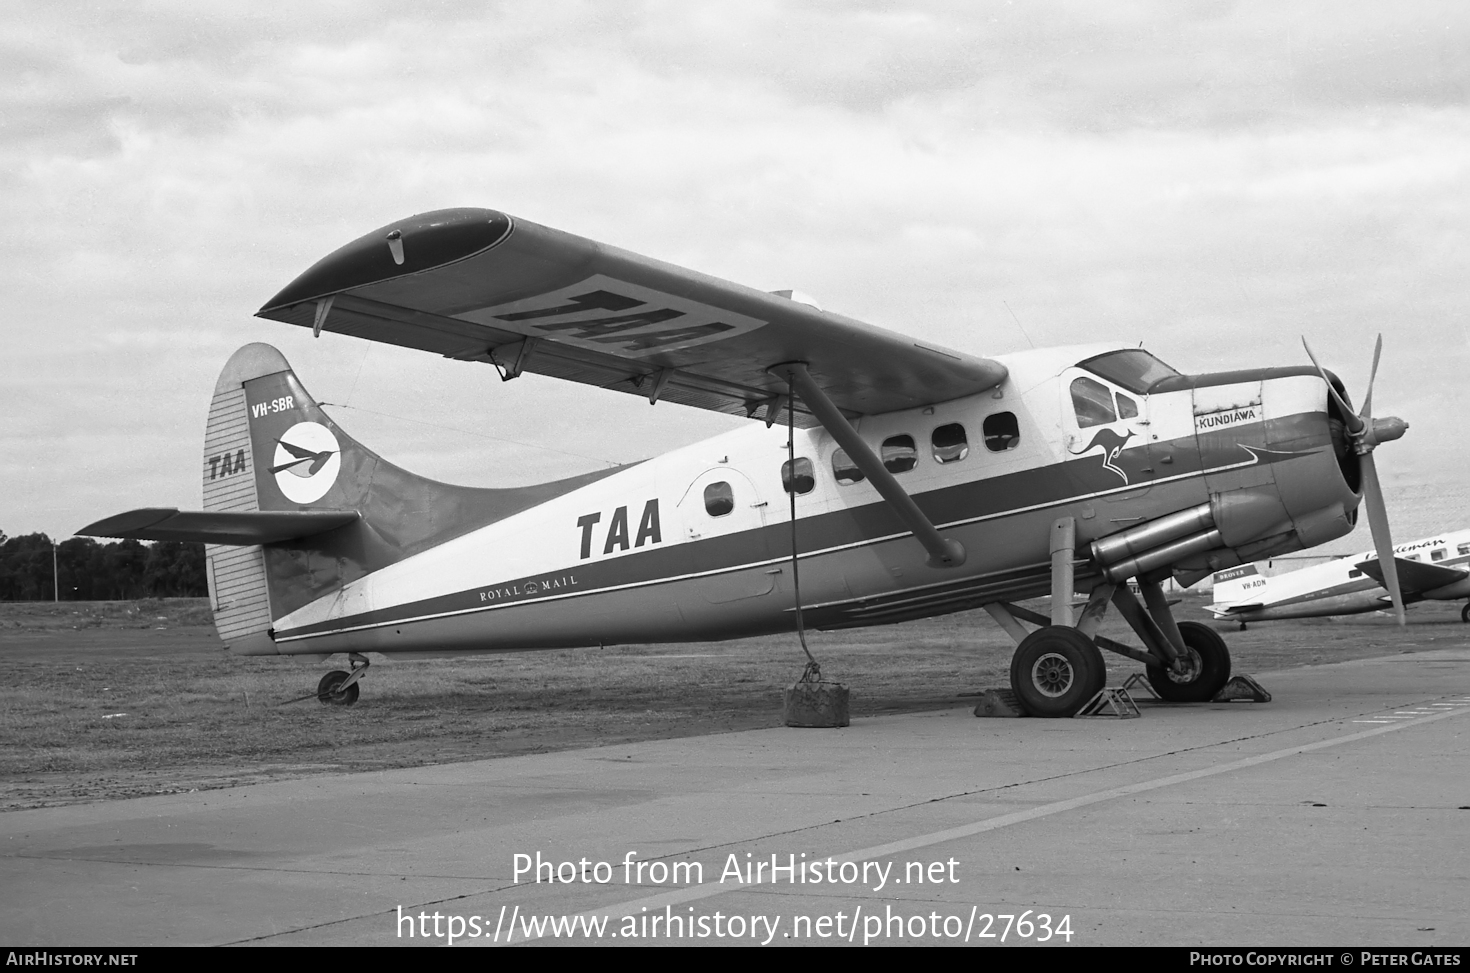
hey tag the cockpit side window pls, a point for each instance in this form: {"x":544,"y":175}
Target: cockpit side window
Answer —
{"x":1093,"y":402}
{"x":1127,"y":408}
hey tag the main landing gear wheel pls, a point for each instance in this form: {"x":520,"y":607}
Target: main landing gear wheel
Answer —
{"x":1056,"y":670}
{"x":1207,"y":667}
{"x":328,"y":693}
{"x":1465,"y":613}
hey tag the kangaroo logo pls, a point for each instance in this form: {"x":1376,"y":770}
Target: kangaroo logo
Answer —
{"x":1112,"y":445}
{"x":306,"y":462}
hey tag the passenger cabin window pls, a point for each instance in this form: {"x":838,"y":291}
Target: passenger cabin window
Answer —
{"x":950,"y":443}
{"x":1438,"y":555}
{"x":1465,"y":548}
{"x":1001,"y":432}
{"x":1414,"y":557}
{"x":844,"y":470}
{"x":803,"y":480}
{"x":1127,"y":408}
{"x":1093,"y":402}
{"x":719,"y":499}
{"x":899,"y":454}
{"x":1355,"y":573}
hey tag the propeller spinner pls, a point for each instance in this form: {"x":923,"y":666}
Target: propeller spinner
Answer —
{"x":1366,"y":434}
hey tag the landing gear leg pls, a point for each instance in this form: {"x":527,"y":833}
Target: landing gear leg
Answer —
{"x":1057,"y":668}
{"x":339,"y":688}
{"x":1187,"y":662}
{"x":1201,"y":664}
{"x":1206,"y":669}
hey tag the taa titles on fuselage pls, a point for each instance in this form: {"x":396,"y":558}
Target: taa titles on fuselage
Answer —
{"x":923,"y":480}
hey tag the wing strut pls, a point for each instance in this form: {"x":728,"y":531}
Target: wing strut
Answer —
{"x":943,"y":552}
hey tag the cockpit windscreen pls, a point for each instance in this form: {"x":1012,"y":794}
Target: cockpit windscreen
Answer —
{"x":1134,"y":369}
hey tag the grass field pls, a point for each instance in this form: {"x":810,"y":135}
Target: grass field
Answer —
{"x":118,"y":699}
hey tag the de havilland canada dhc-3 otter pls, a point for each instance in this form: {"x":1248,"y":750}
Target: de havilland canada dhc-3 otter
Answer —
{"x":906,"y":480}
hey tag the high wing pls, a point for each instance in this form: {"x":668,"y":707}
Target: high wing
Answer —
{"x":478,"y":285}
{"x":1414,"y":576}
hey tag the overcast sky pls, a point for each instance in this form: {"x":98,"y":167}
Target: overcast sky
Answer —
{"x":1215,"y":179}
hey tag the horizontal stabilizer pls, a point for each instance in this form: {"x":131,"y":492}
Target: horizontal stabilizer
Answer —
{"x":219,"y":527}
{"x":1414,"y":576}
{"x":1224,"y":610}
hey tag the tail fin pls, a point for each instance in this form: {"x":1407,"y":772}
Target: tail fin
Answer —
{"x":294,"y":508}
{"x":259,"y":410}
{"x":270,"y":447}
{"x":1236,"y":586}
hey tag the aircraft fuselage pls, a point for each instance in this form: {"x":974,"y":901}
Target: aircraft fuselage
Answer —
{"x":1341,"y":587}
{"x":696,"y":544}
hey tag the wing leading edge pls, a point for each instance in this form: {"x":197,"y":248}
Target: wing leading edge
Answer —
{"x":477,"y":285}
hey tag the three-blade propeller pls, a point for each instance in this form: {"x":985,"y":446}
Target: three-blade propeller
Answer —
{"x":1366,"y":433}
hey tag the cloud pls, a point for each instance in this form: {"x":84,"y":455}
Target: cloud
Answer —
{"x":1215,"y":178}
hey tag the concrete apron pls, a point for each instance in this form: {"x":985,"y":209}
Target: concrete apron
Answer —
{"x":1330,"y":815}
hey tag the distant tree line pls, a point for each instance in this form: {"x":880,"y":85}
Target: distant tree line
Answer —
{"x":89,"y":571}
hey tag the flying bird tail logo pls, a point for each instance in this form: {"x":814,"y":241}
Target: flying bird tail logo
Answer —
{"x":306,"y":462}
{"x":1112,"y":446}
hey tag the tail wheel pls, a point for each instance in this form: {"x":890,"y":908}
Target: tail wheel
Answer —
{"x":1207,"y":667}
{"x":328,"y":693}
{"x":1465,"y":613}
{"x":1056,"y":670}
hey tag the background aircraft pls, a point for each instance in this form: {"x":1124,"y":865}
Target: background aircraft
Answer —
{"x":1435,"y":569}
{"x":917,"y":480}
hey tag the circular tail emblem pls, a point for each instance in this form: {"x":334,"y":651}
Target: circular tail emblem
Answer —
{"x":307,"y":461}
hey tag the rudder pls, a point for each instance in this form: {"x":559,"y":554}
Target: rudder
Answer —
{"x":238,"y":587}
{"x":1232,"y":585}
{"x":269,"y":447}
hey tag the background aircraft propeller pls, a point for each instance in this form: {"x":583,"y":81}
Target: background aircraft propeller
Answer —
{"x":1366,"y":433}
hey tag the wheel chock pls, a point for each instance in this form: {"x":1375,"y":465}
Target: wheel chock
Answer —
{"x":1242,"y":688}
{"x":1136,"y":681}
{"x":1110,"y":703}
{"x":999,"y":702}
